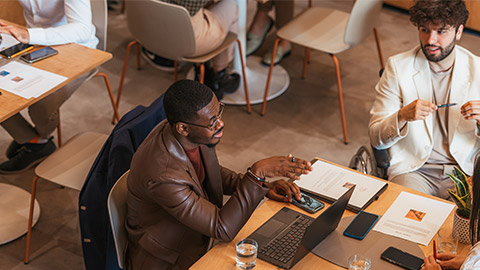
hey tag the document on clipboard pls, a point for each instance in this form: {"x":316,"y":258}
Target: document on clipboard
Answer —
{"x":330,"y":181}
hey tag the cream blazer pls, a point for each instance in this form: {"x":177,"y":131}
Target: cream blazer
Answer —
{"x":407,"y":78}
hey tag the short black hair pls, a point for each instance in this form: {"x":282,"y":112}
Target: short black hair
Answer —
{"x":439,"y":12}
{"x":184,"y":99}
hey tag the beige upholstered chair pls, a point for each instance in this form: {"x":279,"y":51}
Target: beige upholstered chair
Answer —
{"x":100,"y":20}
{"x":117,"y":212}
{"x":68,"y":167}
{"x":331,"y":31}
{"x":166,"y":30}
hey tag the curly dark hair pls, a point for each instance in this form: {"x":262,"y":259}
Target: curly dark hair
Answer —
{"x":439,"y":12}
{"x":184,"y":99}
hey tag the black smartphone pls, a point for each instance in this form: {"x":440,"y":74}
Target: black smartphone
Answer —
{"x":308,"y":203}
{"x":361,"y":225}
{"x":402,"y":258}
{"x":15,"y":49}
{"x":38,"y":55}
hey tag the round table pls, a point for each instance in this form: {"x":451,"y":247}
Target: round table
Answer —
{"x":14,"y":208}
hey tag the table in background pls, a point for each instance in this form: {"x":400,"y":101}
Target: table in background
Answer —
{"x":222,"y":256}
{"x":72,"y":61}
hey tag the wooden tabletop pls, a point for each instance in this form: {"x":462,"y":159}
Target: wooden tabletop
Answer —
{"x":72,"y":61}
{"x":222,"y":256}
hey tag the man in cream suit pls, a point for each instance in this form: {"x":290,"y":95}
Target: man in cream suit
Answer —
{"x":424,"y":139}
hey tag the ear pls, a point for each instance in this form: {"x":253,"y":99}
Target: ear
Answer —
{"x":182,"y":129}
{"x":458,"y":35}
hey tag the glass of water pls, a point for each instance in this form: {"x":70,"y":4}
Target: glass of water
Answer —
{"x":246,"y":253}
{"x":359,"y":262}
{"x":446,"y":242}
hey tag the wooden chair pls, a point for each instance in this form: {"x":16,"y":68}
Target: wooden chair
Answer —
{"x":68,"y":167}
{"x":331,"y":31}
{"x":117,"y":212}
{"x":166,"y":30}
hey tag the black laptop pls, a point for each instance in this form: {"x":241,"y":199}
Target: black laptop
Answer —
{"x":289,"y":235}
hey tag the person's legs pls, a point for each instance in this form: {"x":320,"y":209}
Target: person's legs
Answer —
{"x":32,"y":144}
{"x":430,"y":179}
{"x":259,"y":27}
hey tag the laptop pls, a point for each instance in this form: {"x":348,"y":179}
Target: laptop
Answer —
{"x":289,"y":235}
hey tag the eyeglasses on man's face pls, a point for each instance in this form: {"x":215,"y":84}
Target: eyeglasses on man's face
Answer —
{"x":214,"y":122}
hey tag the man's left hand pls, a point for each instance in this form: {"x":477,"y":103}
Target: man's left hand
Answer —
{"x":20,"y":33}
{"x":281,"y":188}
{"x":471,"y":110}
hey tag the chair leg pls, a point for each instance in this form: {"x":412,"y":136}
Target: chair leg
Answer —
{"x":202,"y":72}
{"x":59,"y":129}
{"x":110,"y":94}
{"x":122,"y":77}
{"x":340,"y":98}
{"x":30,"y":219}
{"x":244,"y":75}
{"x":122,"y":10}
{"x":267,"y":87}
{"x":379,"y":48}
{"x":306,"y":60}
{"x":175,"y":67}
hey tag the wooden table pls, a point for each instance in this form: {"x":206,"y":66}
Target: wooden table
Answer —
{"x":222,"y":256}
{"x":72,"y":61}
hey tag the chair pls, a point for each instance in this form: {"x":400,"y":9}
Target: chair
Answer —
{"x":331,"y":31}
{"x":68,"y":167}
{"x":117,"y":212}
{"x":369,"y":160}
{"x":166,"y":30}
{"x":99,"y":19}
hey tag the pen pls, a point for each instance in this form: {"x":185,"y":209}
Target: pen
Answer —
{"x":434,"y":250}
{"x":20,"y":52}
{"x":446,"y":105}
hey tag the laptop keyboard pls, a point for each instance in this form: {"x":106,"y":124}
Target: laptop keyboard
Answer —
{"x":283,"y":248}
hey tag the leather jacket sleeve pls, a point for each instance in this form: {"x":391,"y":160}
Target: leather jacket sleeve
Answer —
{"x":178,"y":198}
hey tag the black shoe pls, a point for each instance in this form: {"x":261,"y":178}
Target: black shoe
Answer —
{"x":158,"y":62}
{"x":209,"y":79}
{"x":29,"y":155}
{"x":228,"y":83}
{"x":13,"y":149}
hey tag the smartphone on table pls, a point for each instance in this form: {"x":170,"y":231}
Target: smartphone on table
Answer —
{"x":402,"y":258}
{"x":15,"y":50}
{"x":38,"y":55}
{"x":361,"y":225}
{"x":308,"y":203}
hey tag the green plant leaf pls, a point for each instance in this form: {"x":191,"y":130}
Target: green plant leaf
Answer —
{"x":461,"y":195}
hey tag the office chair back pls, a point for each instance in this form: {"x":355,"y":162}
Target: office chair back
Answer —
{"x":100,"y":19}
{"x":162,"y":28}
{"x":117,"y":211}
{"x":362,"y":20}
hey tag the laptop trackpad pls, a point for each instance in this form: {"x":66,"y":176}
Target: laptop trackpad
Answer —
{"x":272,"y":227}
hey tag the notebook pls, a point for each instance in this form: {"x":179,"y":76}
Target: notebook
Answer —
{"x":289,"y":235}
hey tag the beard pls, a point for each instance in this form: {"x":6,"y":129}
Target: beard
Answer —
{"x":444,"y":52}
{"x":211,"y":145}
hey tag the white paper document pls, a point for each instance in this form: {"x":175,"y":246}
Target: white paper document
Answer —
{"x":7,"y":41}
{"x":331,"y":181}
{"x":27,"y":81}
{"x":413,"y":217}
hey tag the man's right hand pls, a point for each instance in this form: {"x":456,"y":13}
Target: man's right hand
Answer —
{"x":417,"y":110}
{"x":449,"y":260}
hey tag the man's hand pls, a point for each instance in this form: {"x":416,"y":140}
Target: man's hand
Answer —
{"x":471,"y":110}
{"x":281,"y":166}
{"x":430,"y":264}
{"x":417,"y":110}
{"x":449,"y":260}
{"x":18,"y":32}
{"x":281,"y":188}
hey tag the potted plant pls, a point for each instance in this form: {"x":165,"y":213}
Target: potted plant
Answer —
{"x":463,"y":199}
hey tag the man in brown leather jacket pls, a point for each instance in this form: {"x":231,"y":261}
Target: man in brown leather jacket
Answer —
{"x":176,"y":186}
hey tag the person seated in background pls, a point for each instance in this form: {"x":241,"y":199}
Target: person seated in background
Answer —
{"x":176,"y":185}
{"x":262,"y":24}
{"x":49,"y":22}
{"x":424,"y":137}
{"x":449,"y":260}
{"x":211,"y":24}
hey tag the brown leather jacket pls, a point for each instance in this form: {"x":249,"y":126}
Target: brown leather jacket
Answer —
{"x":170,"y":220}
